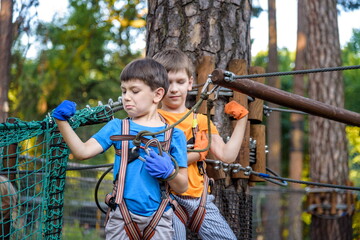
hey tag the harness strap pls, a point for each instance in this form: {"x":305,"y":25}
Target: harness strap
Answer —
{"x":180,"y":211}
{"x":131,"y":228}
{"x":122,"y":171}
{"x":149,"y":231}
{"x":199,"y":214}
{"x":132,"y":137}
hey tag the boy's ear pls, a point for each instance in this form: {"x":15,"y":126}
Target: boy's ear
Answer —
{"x":191,"y":81}
{"x":158,"y":95}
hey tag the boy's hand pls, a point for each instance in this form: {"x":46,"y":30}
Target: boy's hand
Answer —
{"x":201,"y":142}
{"x":159,"y":166}
{"x":65,"y":110}
{"x":236,"y":110}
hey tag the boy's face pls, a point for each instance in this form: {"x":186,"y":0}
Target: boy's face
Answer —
{"x":138,"y":98}
{"x":180,"y":84}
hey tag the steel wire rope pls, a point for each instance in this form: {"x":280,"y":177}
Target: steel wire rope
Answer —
{"x":266,"y":176}
{"x":315,"y":70}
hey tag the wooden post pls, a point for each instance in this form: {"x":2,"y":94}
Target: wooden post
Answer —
{"x":256,"y":108}
{"x":10,"y":153}
{"x":216,"y":174}
{"x":243,"y":156}
{"x":257,"y":132}
{"x":333,"y":200}
{"x":204,"y":66}
{"x":239,"y":67}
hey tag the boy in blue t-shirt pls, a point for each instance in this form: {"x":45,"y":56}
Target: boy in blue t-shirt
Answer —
{"x":144,"y":83}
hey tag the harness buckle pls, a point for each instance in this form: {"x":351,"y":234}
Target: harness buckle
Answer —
{"x":201,"y":168}
{"x":110,"y":201}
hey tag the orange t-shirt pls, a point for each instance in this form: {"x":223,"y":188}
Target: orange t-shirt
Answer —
{"x":196,"y":180}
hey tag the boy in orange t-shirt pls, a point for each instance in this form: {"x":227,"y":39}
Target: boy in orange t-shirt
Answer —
{"x":179,"y":68}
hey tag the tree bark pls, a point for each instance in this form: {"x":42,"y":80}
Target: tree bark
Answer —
{"x":297,"y":131}
{"x":327,"y":139}
{"x":5,"y":55}
{"x":272,"y":205}
{"x":217,"y":29}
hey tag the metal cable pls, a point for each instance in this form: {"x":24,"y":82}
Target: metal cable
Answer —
{"x":266,"y":176}
{"x":316,"y":70}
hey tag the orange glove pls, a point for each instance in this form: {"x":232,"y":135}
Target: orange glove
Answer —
{"x":201,"y":142}
{"x":236,"y":110}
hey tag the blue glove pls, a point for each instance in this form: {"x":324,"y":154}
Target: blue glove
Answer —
{"x":158,"y":166}
{"x":65,"y":110}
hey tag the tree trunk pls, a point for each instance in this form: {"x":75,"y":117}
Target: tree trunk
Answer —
{"x":5,"y":55}
{"x":328,"y":147}
{"x":202,"y":28}
{"x":272,"y":205}
{"x":216,"y":29}
{"x":297,"y":132}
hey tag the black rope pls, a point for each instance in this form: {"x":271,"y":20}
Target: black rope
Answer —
{"x":97,"y":189}
{"x":316,"y":70}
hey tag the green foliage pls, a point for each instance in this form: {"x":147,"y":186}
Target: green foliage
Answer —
{"x":76,"y":232}
{"x":350,"y":57}
{"x":353,"y":136}
{"x":81,"y":58}
{"x":286,"y":62}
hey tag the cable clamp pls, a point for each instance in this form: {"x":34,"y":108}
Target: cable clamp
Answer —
{"x":248,"y":170}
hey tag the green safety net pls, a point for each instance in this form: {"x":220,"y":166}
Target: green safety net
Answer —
{"x":32,"y":174}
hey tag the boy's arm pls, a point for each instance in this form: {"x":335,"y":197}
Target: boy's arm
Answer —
{"x":227,"y":152}
{"x":193,"y":157}
{"x":79,"y":149}
{"x":180,"y":183}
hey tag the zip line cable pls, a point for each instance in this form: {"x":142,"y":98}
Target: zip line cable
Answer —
{"x":315,"y":70}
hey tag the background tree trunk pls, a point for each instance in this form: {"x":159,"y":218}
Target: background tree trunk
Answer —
{"x":297,"y":131}
{"x":328,"y":148}
{"x":273,"y":134}
{"x":5,"y":55}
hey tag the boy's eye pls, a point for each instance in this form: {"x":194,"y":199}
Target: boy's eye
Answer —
{"x":181,"y":81}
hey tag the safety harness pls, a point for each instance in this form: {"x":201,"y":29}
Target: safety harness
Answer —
{"x":116,"y":197}
{"x":198,"y":216}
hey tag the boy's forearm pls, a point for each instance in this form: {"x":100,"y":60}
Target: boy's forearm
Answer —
{"x":180,"y":183}
{"x":77,"y":146}
{"x":193,"y":157}
{"x":229,"y":151}
{"x":234,"y":144}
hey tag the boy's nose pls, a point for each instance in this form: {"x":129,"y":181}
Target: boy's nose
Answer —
{"x":173,"y":89}
{"x":125,"y":97}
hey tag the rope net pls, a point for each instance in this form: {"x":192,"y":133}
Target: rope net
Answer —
{"x":33,"y":174}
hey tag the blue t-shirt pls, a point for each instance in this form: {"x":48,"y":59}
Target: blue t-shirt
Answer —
{"x":142,"y":191}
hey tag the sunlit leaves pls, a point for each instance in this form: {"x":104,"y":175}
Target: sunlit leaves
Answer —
{"x":353,"y":136}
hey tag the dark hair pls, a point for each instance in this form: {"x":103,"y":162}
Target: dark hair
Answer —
{"x":147,"y":70}
{"x":174,"y":60}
